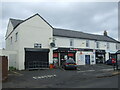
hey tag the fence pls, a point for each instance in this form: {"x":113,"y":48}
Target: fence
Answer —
{"x":37,"y":65}
{"x":4,"y":65}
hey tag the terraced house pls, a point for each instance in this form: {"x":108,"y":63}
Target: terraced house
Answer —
{"x":36,"y":44}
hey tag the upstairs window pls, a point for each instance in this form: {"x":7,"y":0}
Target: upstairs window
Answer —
{"x":71,"y":42}
{"x":116,"y":46}
{"x":16,"y":36}
{"x":97,"y":44}
{"x":87,"y":43}
{"x":37,"y":45}
{"x":11,"y":40}
{"x":108,"y":46}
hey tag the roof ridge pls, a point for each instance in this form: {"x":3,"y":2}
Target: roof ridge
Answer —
{"x":112,"y":38}
{"x":16,"y":19}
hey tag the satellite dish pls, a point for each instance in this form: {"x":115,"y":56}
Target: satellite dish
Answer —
{"x":52,"y":44}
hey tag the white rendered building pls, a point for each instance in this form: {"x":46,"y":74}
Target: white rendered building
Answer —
{"x":36,"y":43}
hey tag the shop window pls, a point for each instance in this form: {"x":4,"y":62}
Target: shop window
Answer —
{"x":87,"y":43}
{"x":71,"y":42}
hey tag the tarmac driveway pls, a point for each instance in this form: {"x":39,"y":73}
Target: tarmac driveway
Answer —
{"x":84,"y":77}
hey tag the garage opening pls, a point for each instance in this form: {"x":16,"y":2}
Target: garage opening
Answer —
{"x":36,"y":58}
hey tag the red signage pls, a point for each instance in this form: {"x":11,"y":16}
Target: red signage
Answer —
{"x":75,"y":49}
{"x":70,"y":54}
{"x":55,"y":54}
{"x":113,"y":60}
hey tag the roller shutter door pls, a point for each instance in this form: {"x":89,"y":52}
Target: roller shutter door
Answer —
{"x":36,"y":58}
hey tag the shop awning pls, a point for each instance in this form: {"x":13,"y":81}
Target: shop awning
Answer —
{"x":118,"y":52}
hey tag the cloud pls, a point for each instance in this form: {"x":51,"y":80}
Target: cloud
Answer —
{"x":90,"y":17}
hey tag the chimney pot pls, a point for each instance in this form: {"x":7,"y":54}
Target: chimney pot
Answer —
{"x":105,"y":33}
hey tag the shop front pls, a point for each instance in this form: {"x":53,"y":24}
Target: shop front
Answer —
{"x":61,"y":54}
{"x":100,"y":56}
{"x":85,"y":57}
{"x":79,"y":55}
{"x":112,"y":55}
{"x":118,"y":59}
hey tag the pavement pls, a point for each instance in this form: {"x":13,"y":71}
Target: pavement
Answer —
{"x":88,"y":76}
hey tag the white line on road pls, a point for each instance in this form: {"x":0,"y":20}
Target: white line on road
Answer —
{"x":94,"y":70}
{"x":45,"y":76}
{"x":86,"y":71}
{"x":106,"y":69}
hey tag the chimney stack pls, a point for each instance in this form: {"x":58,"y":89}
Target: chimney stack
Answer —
{"x":105,"y":33}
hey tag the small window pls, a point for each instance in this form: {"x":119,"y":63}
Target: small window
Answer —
{"x":108,"y":45}
{"x":36,"y":45}
{"x":71,"y":42}
{"x":11,"y":40}
{"x":97,"y":44}
{"x":116,"y":46}
{"x":87,"y":43}
{"x":16,"y":36}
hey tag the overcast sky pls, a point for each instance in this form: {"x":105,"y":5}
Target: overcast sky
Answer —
{"x":89,"y":17}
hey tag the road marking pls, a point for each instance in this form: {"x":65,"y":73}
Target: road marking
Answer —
{"x":45,"y":76}
{"x":86,"y":71}
{"x":16,"y":73}
{"x":94,"y":70}
{"x":106,"y":69}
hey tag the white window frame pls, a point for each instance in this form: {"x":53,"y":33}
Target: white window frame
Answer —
{"x":37,"y":45}
{"x":97,"y":44}
{"x":87,"y":43}
{"x":11,"y":39}
{"x":71,"y":42}
{"x":108,"y":45}
{"x":16,"y":37}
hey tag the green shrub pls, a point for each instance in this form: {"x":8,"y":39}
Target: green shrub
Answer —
{"x":12,"y":68}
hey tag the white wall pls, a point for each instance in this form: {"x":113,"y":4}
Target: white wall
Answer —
{"x":12,"y":57}
{"x":78,"y":43}
{"x":34,"y":30}
{"x":81,"y":43}
{"x":9,"y":28}
{"x":118,"y":46}
{"x":14,"y":46}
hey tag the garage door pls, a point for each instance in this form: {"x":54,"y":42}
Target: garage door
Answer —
{"x":36,"y":58}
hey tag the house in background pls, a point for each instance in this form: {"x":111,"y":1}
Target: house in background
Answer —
{"x":36,"y":44}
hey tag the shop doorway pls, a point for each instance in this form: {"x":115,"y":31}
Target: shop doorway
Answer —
{"x":87,"y":59}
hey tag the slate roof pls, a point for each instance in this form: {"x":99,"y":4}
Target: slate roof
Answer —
{"x":82,"y":35}
{"x":71,"y":33}
{"x":15,"y":22}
